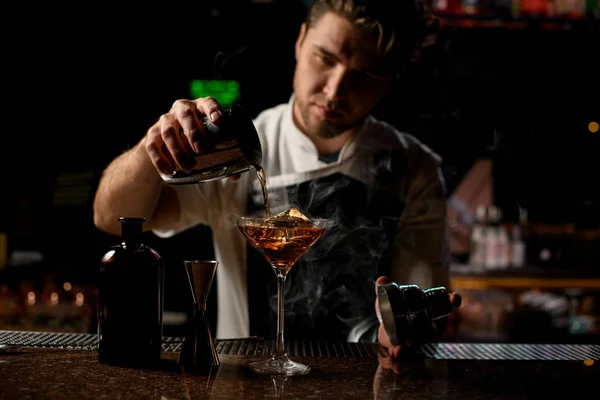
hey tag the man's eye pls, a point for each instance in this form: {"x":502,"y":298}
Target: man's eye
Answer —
{"x":325,"y":59}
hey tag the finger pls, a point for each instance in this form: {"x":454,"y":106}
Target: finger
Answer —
{"x":455,"y":299}
{"x":189,"y":116}
{"x":169,"y":156}
{"x":154,"y":148}
{"x":382,"y":337}
{"x":209,"y":106}
{"x":382,"y":280}
{"x":208,"y":111}
{"x":170,"y":134}
{"x":188,"y":149}
{"x":395,"y":351}
{"x":188,"y":146}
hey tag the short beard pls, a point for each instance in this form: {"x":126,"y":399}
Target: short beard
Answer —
{"x":328,"y":131}
{"x":324,"y":129}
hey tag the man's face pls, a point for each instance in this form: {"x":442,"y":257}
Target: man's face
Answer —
{"x":339,"y":77}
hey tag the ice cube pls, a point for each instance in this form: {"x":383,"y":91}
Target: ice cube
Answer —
{"x":290,"y":218}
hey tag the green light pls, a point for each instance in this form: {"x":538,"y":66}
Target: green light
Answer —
{"x":226,"y":92}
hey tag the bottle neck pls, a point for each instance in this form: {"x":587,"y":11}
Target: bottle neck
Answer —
{"x":131,"y":231}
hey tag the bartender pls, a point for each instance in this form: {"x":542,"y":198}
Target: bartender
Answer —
{"x":323,"y":153}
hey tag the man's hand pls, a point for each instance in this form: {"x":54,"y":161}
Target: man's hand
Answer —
{"x":434,"y":331}
{"x":176,"y":138}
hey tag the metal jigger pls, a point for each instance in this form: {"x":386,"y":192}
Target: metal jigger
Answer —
{"x":198,"y":349}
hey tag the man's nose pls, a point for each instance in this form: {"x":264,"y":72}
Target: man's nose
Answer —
{"x":337,"y":84}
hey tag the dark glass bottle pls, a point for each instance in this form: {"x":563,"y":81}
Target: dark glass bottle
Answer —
{"x":130,"y":301}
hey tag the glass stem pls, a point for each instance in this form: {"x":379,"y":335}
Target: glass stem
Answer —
{"x":280,"y":345}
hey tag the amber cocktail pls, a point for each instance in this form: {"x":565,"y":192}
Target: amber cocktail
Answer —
{"x":282,"y":240}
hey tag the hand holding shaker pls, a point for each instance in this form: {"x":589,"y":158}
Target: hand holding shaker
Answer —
{"x":407,"y":312}
{"x":230,"y":148}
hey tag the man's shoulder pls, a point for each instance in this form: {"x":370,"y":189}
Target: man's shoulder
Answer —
{"x":419,"y":163}
{"x":404,"y":143}
{"x":268,"y":115}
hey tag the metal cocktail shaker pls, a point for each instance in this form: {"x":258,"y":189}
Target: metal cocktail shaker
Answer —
{"x":231,"y":148}
{"x":407,"y":311}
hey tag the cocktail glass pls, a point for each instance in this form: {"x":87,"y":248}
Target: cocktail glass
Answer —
{"x":281,"y":246}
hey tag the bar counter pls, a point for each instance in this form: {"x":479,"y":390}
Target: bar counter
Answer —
{"x":68,"y":368}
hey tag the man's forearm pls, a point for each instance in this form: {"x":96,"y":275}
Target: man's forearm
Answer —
{"x":130,"y":186}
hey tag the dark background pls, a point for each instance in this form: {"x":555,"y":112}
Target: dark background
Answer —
{"x":81,"y":84}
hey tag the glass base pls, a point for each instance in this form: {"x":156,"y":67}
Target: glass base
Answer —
{"x":281,"y":365}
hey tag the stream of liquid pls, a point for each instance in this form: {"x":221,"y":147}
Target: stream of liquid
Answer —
{"x":262,"y":178}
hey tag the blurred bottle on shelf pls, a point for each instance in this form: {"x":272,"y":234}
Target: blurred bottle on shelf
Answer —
{"x":503,"y":261}
{"x":477,"y":243}
{"x":517,"y":248}
{"x":492,"y":239}
{"x":497,"y":241}
{"x":525,"y":231}
{"x":491,"y":247}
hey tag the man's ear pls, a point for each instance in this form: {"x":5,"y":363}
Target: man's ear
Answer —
{"x":300,"y":39}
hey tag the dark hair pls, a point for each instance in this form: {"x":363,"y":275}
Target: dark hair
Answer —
{"x":402,"y":28}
